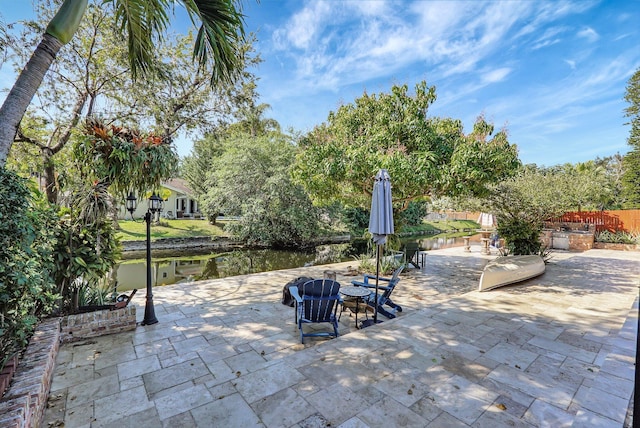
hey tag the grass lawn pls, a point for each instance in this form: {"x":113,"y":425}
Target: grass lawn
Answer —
{"x":134,"y":231}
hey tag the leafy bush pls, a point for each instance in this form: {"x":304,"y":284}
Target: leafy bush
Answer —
{"x":282,"y":217}
{"x":27,"y":237}
{"x":356,"y":219}
{"x":521,"y":237}
{"x":388,"y":263}
{"x":414,"y":214}
{"x":618,"y":237}
{"x":84,"y":255}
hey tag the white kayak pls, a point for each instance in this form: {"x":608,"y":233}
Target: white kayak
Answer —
{"x":510,"y":269}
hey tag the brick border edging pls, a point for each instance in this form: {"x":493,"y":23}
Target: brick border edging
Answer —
{"x":25,"y":401}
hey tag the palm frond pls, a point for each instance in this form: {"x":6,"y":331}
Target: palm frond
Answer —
{"x":220,"y":36}
{"x":143,"y":22}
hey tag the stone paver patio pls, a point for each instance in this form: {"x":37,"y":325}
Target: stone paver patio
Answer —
{"x":554,"y":351}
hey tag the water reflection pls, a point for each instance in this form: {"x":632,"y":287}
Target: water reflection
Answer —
{"x":186,"y":267}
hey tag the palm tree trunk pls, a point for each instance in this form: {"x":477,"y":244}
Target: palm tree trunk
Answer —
{"x":23,"y":91}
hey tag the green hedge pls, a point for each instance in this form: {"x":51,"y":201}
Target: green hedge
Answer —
{"x":27,"y":290}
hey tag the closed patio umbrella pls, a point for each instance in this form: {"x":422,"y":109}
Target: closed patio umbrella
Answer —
{"x":487,"y":221}
{"x":487,"y":226}
{"x":380,"y":221}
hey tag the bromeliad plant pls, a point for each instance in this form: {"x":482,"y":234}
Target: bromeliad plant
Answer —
{"x":110,"y":160}
{"x":124,"y":159}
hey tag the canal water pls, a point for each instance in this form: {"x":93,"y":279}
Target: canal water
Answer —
{"x":186,"y":267}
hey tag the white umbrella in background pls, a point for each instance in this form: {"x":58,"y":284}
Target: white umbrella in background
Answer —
{"x":380,"y":221}
{"x":487,"y":226}
{"x":487,"y":221}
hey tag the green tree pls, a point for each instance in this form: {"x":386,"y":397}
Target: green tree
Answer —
{"x":220,"y":34}
{"x":251,"y":179}
{"x":613,"y":172}
{"x":250,"y":115}
{"x":88,"y":75}
{"x":587,"y":186}
{"x":522,"y":204}
{"x":249,"y":120}
{"x":631,"y":161}
{"x":195,"y":167}
{"x":426,"y":157}
{"x":90,"y":79}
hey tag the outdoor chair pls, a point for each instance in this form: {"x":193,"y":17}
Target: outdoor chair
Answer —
{"x":385,"y":288}
{"x":411,"y":254}
{"x":317,"y":302}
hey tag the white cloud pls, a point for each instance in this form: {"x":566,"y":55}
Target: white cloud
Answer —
{"x":303,"y":27}
{"x":589,"y":34}
{"x":496,"y":75}
{"x":571,"y":63}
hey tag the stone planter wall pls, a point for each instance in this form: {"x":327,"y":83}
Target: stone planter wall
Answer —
{"x":619,"y":247}
{"x":98,"y":323}
{"x":23,"y":404}
{"x":577,"y":241}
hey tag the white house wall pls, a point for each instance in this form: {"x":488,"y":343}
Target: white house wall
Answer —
{"x":170,"y":207}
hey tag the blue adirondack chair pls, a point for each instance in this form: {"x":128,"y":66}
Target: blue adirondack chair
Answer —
{"x":317,"y":302}
{"x":385,"y":288}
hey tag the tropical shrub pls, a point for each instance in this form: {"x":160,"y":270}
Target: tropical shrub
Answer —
{"x":85,"y":254}
{"x":521,"y":237}
{"x":618,"y":237}
{"x":356,"y":219}
{"x":413,"y":214}
{"x":27,"y":237}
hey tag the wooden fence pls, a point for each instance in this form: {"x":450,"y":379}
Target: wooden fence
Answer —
{"x":614,"y":221}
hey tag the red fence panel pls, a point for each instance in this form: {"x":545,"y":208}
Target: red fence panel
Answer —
{"x":614,"y":220}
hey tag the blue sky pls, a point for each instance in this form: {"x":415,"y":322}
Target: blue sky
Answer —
{"x":552,"y":72}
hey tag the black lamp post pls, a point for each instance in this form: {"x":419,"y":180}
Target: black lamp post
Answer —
{"x":155,"y":206}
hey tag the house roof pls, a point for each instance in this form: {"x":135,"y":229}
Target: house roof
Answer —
{"x":178,"y":185}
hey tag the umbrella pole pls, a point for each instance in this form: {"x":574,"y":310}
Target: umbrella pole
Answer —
{"x":375,"y":312}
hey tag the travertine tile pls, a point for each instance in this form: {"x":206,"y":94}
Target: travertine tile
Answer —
{"x":178,"y":374}
{"x":227,"y":353}
{"x":138,"y":367}
{"x":283,"y":409}
{"x":229,"y":411}
{"x":180,"y":401}
{"x":267,"y":381}
{"x":121,"y":405}
{"x":381,"y":413}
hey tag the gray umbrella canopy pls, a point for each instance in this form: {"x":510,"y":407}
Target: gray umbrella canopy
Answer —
{"x":381,"y":220}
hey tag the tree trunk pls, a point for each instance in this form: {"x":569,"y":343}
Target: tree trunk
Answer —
{"x":50,"y":184}
{"x":23,"y":91}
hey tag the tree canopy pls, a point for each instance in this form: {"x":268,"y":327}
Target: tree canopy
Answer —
{"x":631,"y":161}
{"x":425,"y":157}
{"x":217,"y":46}
{"x":249,"y":177}
{"x":522,"y":204}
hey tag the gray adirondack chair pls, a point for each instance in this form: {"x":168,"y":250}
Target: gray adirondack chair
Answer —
{"x":317,"y":302}
{"x":384,"y":291}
